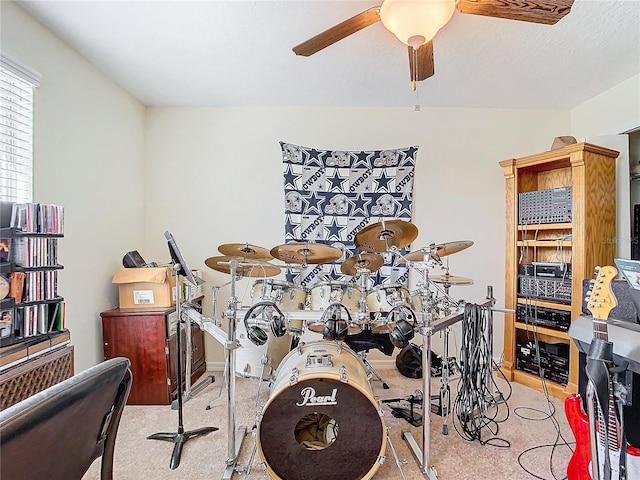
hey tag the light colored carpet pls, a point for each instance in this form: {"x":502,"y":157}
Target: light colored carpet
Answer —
{"x":526,"y":433}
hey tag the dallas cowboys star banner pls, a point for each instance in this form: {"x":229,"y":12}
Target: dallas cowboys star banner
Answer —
{"x":331,"y":195}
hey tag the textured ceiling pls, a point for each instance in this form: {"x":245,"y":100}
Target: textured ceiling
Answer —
{"x":238,"y":53}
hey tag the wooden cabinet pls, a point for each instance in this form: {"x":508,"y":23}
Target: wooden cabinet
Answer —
{"x":585,"y":240}
{"x":148,"y":339}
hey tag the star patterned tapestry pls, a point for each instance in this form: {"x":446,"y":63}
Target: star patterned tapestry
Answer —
{"x":331,"y":195}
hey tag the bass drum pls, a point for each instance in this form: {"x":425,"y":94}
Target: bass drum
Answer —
{"x":253,"y":361}
{"x":287,"y":296}
{"x":321,"y":420}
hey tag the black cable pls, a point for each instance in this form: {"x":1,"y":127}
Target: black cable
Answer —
{"x":475,"y":397}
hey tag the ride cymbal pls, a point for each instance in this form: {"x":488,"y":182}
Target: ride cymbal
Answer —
{"x":451,"y":280}
{"x":306,"y":253}
{"x":440,"y":250}
{"x":379,"y":237}
{"x":251,"y":268}
{"x":245,"y":250}
{"x":368,"y":261}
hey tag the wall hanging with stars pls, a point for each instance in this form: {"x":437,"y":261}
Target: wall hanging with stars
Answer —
{"x":331,"y":195}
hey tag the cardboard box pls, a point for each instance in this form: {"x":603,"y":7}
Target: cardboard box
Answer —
{"x":146,"y":287}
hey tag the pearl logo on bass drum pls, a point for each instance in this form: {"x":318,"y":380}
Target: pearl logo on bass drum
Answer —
{"x":309,"y":397}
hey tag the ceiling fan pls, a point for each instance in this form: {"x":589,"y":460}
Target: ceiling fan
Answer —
{"x":415,"y":23}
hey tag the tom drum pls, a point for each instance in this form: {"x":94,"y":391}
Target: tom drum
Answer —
{"x":324,"y":293}
{"x":381,"y":300}
{"x":321,"y":420}
{"x":287,"y":296}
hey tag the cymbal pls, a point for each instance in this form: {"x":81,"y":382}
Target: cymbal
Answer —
{"x":306,"y":252}
{"x":255,"y":268}
{"x":378,"y":237}
{"x":245,"y":250}
{"x":451,"y":279}
{"x":440,"y":250}
{"x":369,"y":261}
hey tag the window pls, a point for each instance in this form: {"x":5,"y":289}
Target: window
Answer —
{"x":16,"y":135}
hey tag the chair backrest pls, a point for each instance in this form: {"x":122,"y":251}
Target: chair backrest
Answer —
{"x":57,"y":433}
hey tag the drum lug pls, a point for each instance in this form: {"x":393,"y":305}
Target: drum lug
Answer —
{"x":381,"y":459}
{"x":293,"y":379}
{"x":344,"y":378}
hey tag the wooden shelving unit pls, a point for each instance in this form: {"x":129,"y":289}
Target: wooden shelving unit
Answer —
{"x":585,"y":242}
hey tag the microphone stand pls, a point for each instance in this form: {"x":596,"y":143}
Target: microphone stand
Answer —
{"x":181,"y":437}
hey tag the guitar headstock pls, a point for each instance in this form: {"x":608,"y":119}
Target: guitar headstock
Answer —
{"x":601,"y":298}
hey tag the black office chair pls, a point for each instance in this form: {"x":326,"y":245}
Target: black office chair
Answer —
{"x":56,"y":434}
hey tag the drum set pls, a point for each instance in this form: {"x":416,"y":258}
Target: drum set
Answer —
{"x":321,"y":409}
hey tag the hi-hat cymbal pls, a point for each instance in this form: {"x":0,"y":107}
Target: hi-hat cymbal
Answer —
{"x":379,"y":237}
{"x":250,"y":268}
{"x":245,"y":250}
{"x":306,"y":253}
{"x":451,"y":279}
{"x":439,"y":250}
{"x":369,"y":261}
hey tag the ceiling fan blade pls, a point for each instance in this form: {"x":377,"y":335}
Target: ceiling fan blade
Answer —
{"x":338,"y":32}
{"x":423,"y":60}
{"x":537,"y":11}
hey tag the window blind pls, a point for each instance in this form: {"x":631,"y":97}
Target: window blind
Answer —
{"x":16,"y":130}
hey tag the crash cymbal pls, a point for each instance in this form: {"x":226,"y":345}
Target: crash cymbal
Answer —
{"x":245,"y":250}
{"x":306,"y":253}
{"x":369,"y":261}
{"x":440,"y":250}
{"x":452,"y":247}
{"x":451,"y":279}
{"x":379,"y":237}
{"x":253,"y":268}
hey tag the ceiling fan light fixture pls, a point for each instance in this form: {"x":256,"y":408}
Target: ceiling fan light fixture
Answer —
{"x":414,"y":21}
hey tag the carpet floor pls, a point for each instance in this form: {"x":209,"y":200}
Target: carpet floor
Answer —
{"x":524,"y":439}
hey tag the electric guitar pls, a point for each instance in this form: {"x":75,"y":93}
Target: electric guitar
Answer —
{"x":601,"y":301}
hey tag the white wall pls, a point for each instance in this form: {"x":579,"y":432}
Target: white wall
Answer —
{"x":226,"y":166}
{"x":214,"y":176}
{"x":88,"y":156}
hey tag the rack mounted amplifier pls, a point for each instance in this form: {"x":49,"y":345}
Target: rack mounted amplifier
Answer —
{"x":543,"y":316}
{"x":545,"y":288}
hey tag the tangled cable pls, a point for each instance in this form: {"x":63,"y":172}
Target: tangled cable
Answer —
{"x":478,"y":400}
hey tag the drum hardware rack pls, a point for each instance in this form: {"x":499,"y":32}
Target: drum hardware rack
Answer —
{"x":230,"y":344}
{"x":421,"y":455}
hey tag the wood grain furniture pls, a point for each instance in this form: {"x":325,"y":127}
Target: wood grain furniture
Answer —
{"x":586,"y":241}
{"x":148,"y":339}
{"x":58,"y":433}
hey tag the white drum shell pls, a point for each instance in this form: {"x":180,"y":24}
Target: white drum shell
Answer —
{"x":249,"y":357}
{"x":383,"y":297}
{"x":285,"y":295}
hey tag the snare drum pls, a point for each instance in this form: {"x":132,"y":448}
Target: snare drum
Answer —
{"x":321,"y":420}
{"x":324,"y":293}
{"x":253,"y":361}
{"x":287,"y":296}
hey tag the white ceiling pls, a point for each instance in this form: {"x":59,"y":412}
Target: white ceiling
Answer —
{"x":238,"y":53}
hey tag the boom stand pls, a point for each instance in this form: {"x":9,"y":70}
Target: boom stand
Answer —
{"x":181,"y":437}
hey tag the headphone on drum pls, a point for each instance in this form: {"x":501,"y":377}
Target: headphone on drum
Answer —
{"x":335,"y":328}
{"x":403,"y":331}
{"x":255,"y":332}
